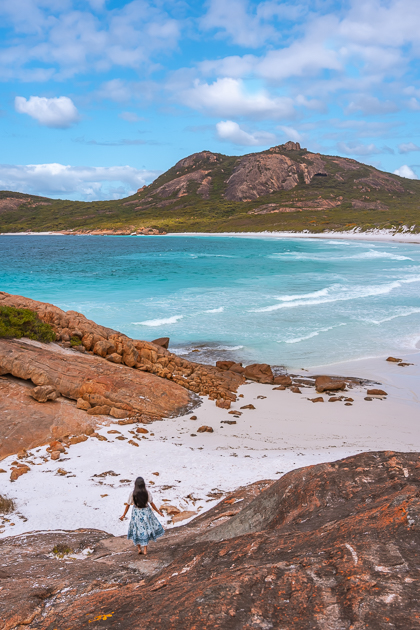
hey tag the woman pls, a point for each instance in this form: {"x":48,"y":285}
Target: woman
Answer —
{"x":144,"y":525}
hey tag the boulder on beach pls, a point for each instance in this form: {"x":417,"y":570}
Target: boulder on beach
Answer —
{"x":163,"y":342}
{"x":260,"y":372}
{"x":283,"y":379}
{"x":376,"y":392}
{"x":327,"y":383}
{"x":224,"y":365}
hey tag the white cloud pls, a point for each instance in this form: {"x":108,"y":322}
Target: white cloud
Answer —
{"x":352,"y":148}
{"x":228,"y":97}
{"x":291,"y":133}
{"x":80,"y":182}
{"x":408,"y":147}
{"x":230,"y":131}
{"x":59,"y":112}
{"x":405,"y":171}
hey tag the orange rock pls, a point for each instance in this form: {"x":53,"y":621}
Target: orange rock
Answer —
{"x":114,"y":357}
{"x":120,"y":414}
{"x":83,"y":404}
{"x":55,"y":455}
{"x":325,"y":383}
{"x":393,"y":360}
{"x":250,"y":406}
{"x":76,"y":439}
{"x":99,"y":410}
{"x":44,"y":393}
{"x":284,"y":380}
{"x":205,"y":429}
{"x":102,"y":348}
{"x":222,"y":403}
{"x":376,"y":392}
{"x":182,"y":516}
{"x":260,"y":372}
{"x":22,"y":469}
{"x":315,"y":400}
{"x":224,"y":365}
{"x":141,"y":430}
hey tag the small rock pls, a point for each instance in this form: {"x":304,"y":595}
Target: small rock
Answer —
{"x":22,"y":469}
{"x":170,"y":510}
{"x":76,"y":439}
{"x":315,"y":400}
{"x":99,"y":437}
{"x":279,"y":388}
{"x":55,"y":455}
{"x":334,"y":398}
{"x":348,"y":404}
{"x":283,"y":379}
{"x":99,"y":410}
{"x":349,"y":399}
{"x":393,"y":360}
{"x":156,"y":474}
{"x":193,"y":435}
{"x":62,"y":472}
{"x":132,"y":442}
{"x":250,"y":406}
{"x":368,"y":398}
{"x":205,"y":429}
{"x":193,"y":418}
{"x":139,"y":430}
{"x":114,"y":357}
{"x":404,"y":364}
{"x":119,"y":432}
{"x":182,"y":516}
{"x":42,"y":393}
{"x":376,"y":392}
{"x":222,"y":403}
{"x":83,"y":404}
{"x":127,"y":421}
{"x":119,"y":414}
{"x":295,"y":390}
{"x":2,"y":470}
{"x":228,"y":421}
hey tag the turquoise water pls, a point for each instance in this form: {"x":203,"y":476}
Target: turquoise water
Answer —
{"x":290,"y":302}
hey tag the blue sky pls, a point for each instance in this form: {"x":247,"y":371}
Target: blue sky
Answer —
{"x":98,"y":97}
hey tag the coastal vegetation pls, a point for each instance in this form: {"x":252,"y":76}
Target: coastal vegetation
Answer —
{"x":285,"y":188}
{"x":22,"y":322}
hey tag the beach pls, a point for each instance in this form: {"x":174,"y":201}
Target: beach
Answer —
{"x":193,"y":471}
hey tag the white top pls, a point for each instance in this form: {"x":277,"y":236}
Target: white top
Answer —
{"x":131,"y":500}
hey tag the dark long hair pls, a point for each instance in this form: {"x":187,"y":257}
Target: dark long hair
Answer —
{"x":140,"y":496}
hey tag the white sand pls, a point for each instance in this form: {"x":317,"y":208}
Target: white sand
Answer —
{"x":284,"y":432}
{"x":402,"y":236}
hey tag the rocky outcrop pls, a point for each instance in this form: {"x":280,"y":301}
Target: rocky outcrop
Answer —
{"x":262,"y":174}
{"x":25,"y":424}
{"x":74,"y":328}
{"x":93,"y":379}
{"x":333,"y":546}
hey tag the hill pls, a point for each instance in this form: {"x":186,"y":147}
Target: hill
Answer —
{"x":284,"y":188}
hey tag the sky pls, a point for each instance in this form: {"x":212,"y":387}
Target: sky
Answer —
{"x":98,"y":97}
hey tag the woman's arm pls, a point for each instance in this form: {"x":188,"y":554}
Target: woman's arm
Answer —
{"x":155,"y":508}
{"x":127,"y":507}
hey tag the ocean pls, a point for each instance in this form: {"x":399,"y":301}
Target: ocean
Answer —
{"x":288,"y":302}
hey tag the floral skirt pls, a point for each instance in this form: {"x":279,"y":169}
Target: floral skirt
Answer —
{"x":144,"y":526}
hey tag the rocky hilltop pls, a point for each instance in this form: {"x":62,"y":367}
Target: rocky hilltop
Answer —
{"x":333,"y":546}
{"x":285,"y":187}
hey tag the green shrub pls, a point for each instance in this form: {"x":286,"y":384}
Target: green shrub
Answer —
{"x":75,"y":341}
{"x":22,"y":322}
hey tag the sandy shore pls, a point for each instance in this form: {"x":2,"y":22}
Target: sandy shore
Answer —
{"x":371,"y":235}
{"x":283,"y":432}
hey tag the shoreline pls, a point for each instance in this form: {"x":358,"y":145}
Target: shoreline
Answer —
{"x":187,"y":469}
{"x":373,"y":235}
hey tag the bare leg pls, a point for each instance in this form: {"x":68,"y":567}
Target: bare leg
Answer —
{"x":139,"y":548}
{"x":145,"y":551}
